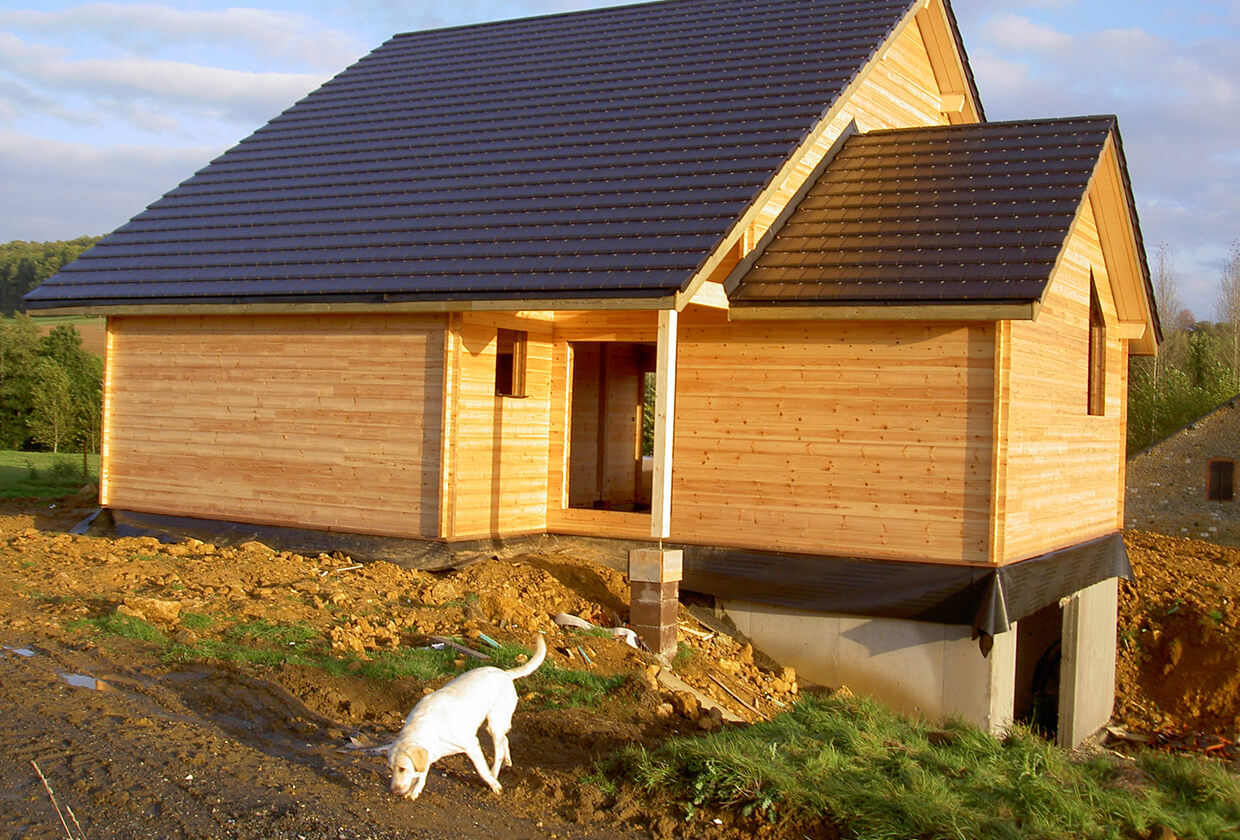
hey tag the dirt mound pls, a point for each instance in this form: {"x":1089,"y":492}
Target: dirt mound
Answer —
{"x":1179,"y":637}
{"x":290,"y":718}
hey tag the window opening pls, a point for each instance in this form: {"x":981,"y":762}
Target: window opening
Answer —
{"x":1097,"y":354}
{"x":1221,"y":481}
{"x":510,"y":363}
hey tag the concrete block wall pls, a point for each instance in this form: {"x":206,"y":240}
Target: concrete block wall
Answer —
{"x":931,"y":671}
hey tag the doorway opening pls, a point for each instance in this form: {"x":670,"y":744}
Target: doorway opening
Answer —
{"x":611,"y":425}
{"x":1039,"y":639}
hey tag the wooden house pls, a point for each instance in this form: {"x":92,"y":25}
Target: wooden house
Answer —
{"x":887,"y":340}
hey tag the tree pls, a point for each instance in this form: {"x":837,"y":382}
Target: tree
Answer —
{"x":53,"y":413}
{"x":1228,"y":309}
{"x":19,"y":353}
{"x":1151,"y":396}
{"x":24,"y":265}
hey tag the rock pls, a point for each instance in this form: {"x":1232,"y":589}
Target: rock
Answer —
{"x":711,"y":721}
{"x":651,"y":677}
{"x":686,"y":705}
{"x":151,"y":609}
{"x":255,"y":547}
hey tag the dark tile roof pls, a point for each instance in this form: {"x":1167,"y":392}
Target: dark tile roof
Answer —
{"x":601,"y":153}
{"x":975,"y":213}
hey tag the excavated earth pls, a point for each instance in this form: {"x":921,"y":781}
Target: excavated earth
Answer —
{"x":109,"y":737}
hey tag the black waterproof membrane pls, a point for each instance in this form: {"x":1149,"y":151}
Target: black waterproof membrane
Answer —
{"x":987,"y":599}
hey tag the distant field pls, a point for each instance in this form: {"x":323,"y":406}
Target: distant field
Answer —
{"x":94,"y":331}
{"x":42,"y":475}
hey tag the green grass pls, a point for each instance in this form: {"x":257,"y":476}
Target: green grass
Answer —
{"x":42,"y":475}
{"x":272,"y":643}
{"x":857,"y":765}
{"x":125,"y":626}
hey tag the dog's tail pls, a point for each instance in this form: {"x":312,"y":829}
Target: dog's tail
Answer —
{"x":540,"y":653}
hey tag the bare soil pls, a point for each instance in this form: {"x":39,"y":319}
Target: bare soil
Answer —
{"x":140,"y":747}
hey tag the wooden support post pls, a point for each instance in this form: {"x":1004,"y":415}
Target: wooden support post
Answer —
{"x":105,"y":418}
{"x":654,"y":578}
{"x":664,"y":414}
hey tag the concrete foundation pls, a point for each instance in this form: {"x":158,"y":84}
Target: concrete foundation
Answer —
{"x":1087,"y":670}
{"x":932,"y":671}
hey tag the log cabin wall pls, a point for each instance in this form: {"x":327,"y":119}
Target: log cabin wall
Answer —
{"x":328,"y":422}
{"x":495,"y":472}
{"x":839,"y":438}
{"x":1061,"y":462}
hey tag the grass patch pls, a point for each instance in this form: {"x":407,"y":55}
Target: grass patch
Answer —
{"x":272,"y":643}
{"x":42,"y":475}
{"x":855,"y":763}
{"x":124,"y":626}
{"x":196,"y":621}
{"x":559,"y":688}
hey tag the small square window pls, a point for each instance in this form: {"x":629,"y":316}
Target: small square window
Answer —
{"x":1221,"y":481}
{"x":510,"y":363}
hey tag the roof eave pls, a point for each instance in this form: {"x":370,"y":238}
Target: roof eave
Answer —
{"x":659,"y":299}
{"x":1007,"y":310}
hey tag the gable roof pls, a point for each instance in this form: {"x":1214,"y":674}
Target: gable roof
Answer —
{"x":945,"y":215}
{"x":597,"y":154}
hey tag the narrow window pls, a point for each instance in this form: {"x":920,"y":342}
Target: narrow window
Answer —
{"x":1097,"y":355}
{"x":510,"y":363}
{"x":1221,"y":481}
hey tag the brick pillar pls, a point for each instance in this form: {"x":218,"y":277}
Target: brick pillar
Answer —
{"x":654,"y":578}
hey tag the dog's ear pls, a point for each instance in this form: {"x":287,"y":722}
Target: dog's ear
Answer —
{"x":420,"y":758}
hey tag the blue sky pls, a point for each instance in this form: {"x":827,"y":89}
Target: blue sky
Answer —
{"x":104,"y":106}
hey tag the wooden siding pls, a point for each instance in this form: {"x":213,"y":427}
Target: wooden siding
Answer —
{"x":867,"y":440}
{"x":324,"y":422}
{"x":1062,"y":463}
{"x":498,"y":461}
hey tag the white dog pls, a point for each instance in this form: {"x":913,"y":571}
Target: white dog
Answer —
{"x":446,"y":722}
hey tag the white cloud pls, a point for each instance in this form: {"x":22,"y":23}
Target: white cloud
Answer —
{"x":149,"y":28}
{"x":75,"y":189}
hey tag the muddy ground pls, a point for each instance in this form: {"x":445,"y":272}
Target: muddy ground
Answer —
{"x":137,"y":745}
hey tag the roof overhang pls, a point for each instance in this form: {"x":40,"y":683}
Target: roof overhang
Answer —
{"x":311,"y":307}
{"x":1008,"y":311}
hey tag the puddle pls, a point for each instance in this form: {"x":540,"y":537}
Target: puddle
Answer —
{"x":27,"y":652}
{"x":84,"y":681}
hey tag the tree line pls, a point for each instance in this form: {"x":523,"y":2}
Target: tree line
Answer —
{"x":51,"y":389}
{"x":1197,"y":367}
{"x":24,"y":265}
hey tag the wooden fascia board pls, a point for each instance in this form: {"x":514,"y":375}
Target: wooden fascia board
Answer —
{"x":734,"y":279}
{"x":1121,"y":247}
{"x":803,"y":156}
{"x":308,"y":308}
{"x":945,"y":49}
{"x":1021,"y":311}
